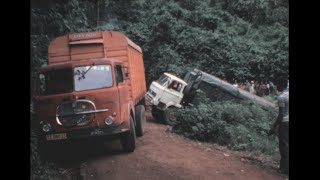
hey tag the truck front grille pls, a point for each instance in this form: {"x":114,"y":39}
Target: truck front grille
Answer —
{"x":73,"y":113}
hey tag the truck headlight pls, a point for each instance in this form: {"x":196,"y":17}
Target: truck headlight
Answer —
{"x":108,"y":120}
{"x":46,"y":127}
{"x":152,"y":92}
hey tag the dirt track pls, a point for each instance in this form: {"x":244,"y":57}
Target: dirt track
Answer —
{"x":160,"y":155}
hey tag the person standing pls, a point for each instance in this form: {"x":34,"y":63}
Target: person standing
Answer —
{"x":268,"y":89}
{"x":252,"y":90}
{"x":247,"y":86}
{"x":283,"y":122}
{"x":271,"y":89}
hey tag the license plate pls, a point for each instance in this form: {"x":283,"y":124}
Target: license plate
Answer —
{"x":51,"y":137}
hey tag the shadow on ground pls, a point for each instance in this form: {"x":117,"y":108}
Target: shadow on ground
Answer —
{"x":71,"y":156}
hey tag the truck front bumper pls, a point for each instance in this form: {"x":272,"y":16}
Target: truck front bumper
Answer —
{"x":81,"y":134}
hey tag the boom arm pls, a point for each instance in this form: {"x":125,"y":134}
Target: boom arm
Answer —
{"x":195,"y":77}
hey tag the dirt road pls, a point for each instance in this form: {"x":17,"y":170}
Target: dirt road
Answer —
{"x":161,"y":155}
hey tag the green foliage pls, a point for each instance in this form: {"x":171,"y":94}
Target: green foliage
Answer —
{"x":272,"y":98}
{"x":239,"y":125}
{"x":230,"y":39}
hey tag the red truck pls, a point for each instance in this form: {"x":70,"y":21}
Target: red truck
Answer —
{"x":92,"y":88}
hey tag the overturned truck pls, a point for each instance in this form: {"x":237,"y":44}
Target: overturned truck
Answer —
{"x":170,"y":91}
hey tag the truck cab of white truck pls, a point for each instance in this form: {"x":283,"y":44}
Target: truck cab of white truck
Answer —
{"x":166,"y":92}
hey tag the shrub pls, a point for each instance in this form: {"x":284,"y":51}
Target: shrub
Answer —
{"x":240,"y":125}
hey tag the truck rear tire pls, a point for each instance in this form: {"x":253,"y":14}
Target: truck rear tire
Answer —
{"x":140,"y":120}
{"x":128,"y":140}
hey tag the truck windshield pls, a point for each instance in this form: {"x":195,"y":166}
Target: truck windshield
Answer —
{"x":56,"y":81}
{"x":163,"y":80}
{"x":92,"y":77}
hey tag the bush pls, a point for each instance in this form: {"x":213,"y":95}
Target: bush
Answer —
{"x":271,"y":98}
{"x":237,"y":124}
{"x":40,"y":169}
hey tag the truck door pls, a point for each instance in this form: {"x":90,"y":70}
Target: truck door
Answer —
{"x":122,"y":91}
{"x":173,"y":93}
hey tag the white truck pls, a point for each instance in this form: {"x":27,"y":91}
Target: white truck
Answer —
{"x":164,"y":93}
{"x":170,"y":91}
{"x":167,"y":91}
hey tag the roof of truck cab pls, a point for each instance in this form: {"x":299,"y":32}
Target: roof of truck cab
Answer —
{"x":175,"y":78}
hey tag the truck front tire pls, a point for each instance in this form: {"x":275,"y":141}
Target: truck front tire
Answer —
{"x":140,"y":120}
{"x":156,"y":113}
{"x":162,"y":116}
{"x":166,"y":118}
{"x":128,"y":140}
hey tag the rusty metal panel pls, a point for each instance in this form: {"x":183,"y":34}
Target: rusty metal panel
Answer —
{"x":58,"y":59}
{"x":116,"y":53}
{"x":114,"y":40}
{"x":114,"y":44}
{"x":136,"y":74}
{"x":86,"y":51}
{"x":133,"y":45}
{"x":58,"y":53}
{"x":86,"y":48}
{"x":114,"y":48}
{"x":58,"y":47}
{"x":85,"y":35}
{"x":122,"y":58}
{"x":89,"y":41}
{"x":87,"y":56}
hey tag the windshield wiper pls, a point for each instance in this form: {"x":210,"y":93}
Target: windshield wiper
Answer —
{"x":83,"y":73}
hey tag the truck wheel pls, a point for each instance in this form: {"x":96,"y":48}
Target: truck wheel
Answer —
{"x":128,"y":140}
{"x":167,"y":118}
{"x":140,"y":120}
{"x":156,"y":114}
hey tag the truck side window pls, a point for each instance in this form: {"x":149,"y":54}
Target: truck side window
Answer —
{"x":175,"y":86}
{"x":119,"y":74}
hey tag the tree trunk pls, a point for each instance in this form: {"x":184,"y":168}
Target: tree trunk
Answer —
{"x":98,"y":18}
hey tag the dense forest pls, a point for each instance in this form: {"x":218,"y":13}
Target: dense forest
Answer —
{"x":234,"y":40}
{"x":231,"y":39}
